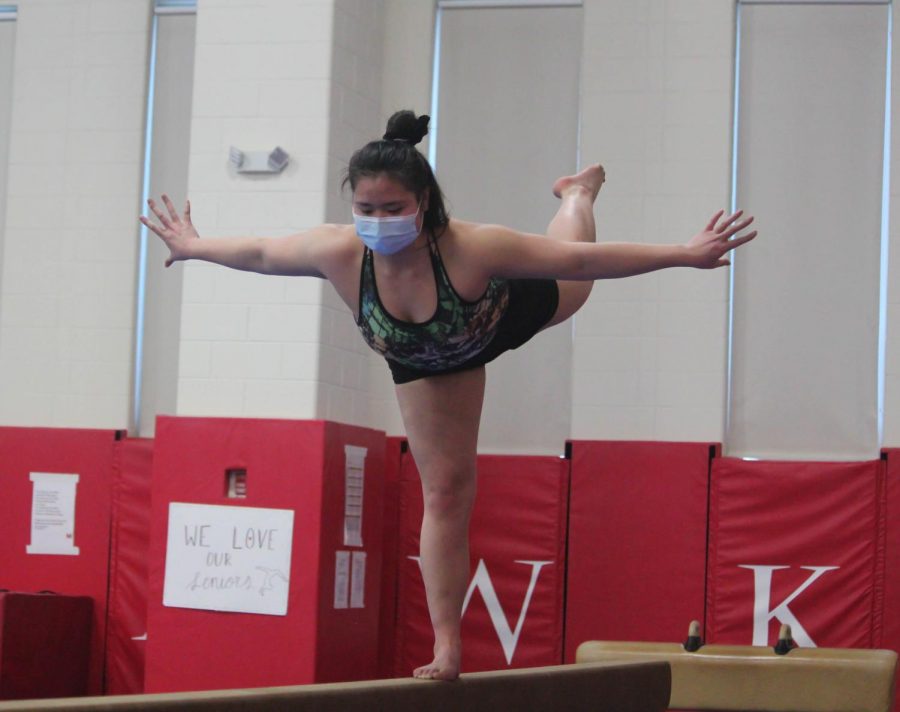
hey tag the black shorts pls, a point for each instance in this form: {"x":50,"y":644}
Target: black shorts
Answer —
{"x":532,"y":303}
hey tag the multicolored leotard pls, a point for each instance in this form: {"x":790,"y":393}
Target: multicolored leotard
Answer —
{"x":457,"y":331}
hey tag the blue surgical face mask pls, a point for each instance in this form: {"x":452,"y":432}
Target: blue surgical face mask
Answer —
{"x":387,"y":235}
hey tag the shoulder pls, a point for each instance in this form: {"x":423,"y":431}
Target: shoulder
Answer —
{"x":500,"y":251}
{"x":479,"y":240}
{"x":467,"y":230}
{"x":338,"y":238}
{"x":473,"y":245}
{"x":340,"y":250}
{"x":333,"y":235}
{"x":331,"y":242}
{"x":482,"y":235}
{"x":468,"y":236}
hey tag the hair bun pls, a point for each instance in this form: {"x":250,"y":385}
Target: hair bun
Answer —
{"x":406,"y":126}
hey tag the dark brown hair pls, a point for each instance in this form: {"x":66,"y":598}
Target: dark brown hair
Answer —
{"x":397,"y":156}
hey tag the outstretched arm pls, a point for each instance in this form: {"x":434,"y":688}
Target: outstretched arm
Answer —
{"x":507,"y":253}
{"x":300,"y":255}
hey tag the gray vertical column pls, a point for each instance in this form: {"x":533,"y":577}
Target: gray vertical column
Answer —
{"x":806,"y":293}
{"x":169,"y":156}
{"x":342,"y":390}
{"x":892,"y":347}
{"x":7,"y":51}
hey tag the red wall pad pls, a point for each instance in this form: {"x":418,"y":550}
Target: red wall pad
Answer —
{"x":891,"y":622}
{"x":127,"y":624}
{"x":796,"y":543}
{"x":513,"y":614}
{"x":329,"y":632}
{"x":637,"y":540}
{"x":890,"y":630}
{"x":76,"y":562}
{"x":45,"y":645}
{"x":395,"y":448}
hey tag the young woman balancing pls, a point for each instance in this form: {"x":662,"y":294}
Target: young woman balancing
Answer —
{"x":439,"y":298}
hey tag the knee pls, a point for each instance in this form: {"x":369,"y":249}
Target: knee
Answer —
{"x":449,"y":497}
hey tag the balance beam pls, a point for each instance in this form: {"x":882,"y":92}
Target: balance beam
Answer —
{"x":736,"y":677}
{"x":594,"y":687}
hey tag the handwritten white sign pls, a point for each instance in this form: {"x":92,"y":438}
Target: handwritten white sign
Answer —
{"x":228,"y":558}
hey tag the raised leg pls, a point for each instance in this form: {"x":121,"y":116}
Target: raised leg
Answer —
{"x":442,"y":415}
{"x":575,"y":221}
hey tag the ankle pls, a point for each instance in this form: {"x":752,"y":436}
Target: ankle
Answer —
{"x":446,"y":644}
{"x":576,"y":191}
{"x":449,"y":654}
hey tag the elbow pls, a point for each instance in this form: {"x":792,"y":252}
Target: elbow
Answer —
{"x":262,"y":258}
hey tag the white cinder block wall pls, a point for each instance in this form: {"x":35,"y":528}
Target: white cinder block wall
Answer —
{"x":250,"y":344}
{"x":319,"y":78}
{"x":70,"y":234}
{"x":650,"y":351}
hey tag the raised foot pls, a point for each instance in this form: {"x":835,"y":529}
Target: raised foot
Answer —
{"x":591,"y":178}
{"x":441,"y":668}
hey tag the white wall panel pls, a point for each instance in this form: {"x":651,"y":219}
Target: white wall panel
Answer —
{"x":75,"y":150}
{"x":656,"y":97}
{"x":810,"y":162}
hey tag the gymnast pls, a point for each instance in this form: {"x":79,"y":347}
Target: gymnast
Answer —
{"x":439,"y":298}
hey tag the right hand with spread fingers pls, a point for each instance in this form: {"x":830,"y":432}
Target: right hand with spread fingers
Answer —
{"x":176,"y":231}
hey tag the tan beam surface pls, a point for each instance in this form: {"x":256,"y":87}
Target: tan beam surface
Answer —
{"x":597,"y":687}
{"x":734,"y":677}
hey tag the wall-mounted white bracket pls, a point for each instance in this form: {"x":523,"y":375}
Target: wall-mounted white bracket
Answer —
{"x":259,"y":161}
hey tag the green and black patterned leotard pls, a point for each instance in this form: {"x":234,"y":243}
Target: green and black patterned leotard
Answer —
{"x":457,"y":331}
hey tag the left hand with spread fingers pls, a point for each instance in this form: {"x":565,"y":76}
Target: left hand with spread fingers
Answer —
{"x":707,"y":249}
